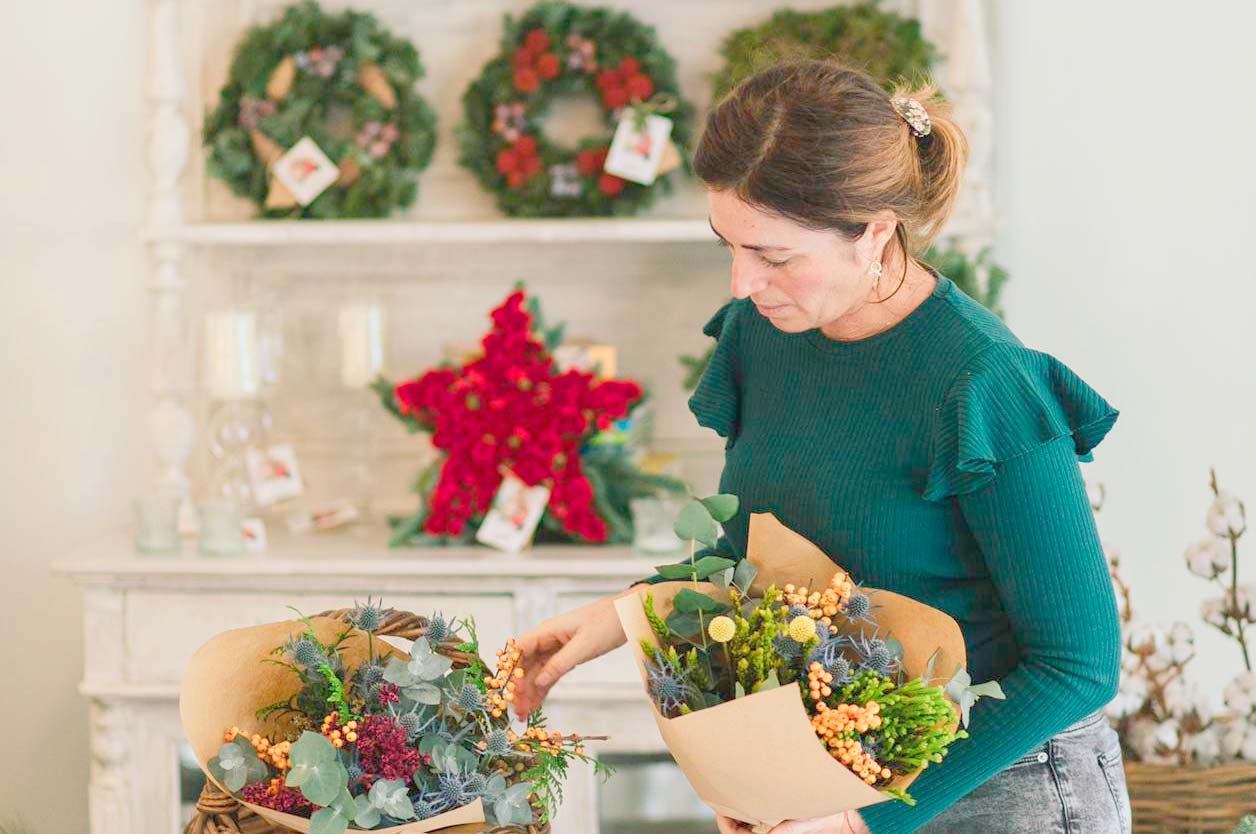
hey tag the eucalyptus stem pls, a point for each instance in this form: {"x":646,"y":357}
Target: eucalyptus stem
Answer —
{"x":693,"y":564}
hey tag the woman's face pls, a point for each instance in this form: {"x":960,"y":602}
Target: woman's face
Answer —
{"x":799,"y":278}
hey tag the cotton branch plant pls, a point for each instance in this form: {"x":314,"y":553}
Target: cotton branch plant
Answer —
{"x":1162,"y":715}
{"x":712,"y":648}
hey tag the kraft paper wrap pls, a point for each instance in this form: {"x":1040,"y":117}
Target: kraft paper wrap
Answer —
{"x":756,"y":758}
{"x":226,"y":682}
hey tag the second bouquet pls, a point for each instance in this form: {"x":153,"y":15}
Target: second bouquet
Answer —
{"x":840,"y":694}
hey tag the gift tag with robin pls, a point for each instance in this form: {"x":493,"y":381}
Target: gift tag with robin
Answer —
{"x":639,"y":147}
{"x":305,"y":171}
{"x":512,"y":520}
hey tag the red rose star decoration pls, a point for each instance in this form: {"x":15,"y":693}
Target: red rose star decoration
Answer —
{"x":623,"y":84}
{"x":519,"y":163}
{"x":511,"y":410}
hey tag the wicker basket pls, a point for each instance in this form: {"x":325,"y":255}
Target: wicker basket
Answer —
{"x":1169,"y":799}
{"x":219,"y":813}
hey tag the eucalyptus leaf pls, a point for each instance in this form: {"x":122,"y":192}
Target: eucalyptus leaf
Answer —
{"x":989,"y":689}
{"x":316,"y":769}
{"x":739,"y":691}
{"x":365,"y":814}
{"x":673,"y":572}
{"x":708,"y":565}
{"x":512,"y":807}
{"x":722,"y":507}
{"x":724,"y":578}
{"x":744,"y":574}
{"x":424,"y":693}
{"x":694,"y":522}
{"x":684,"y":623}
{"x":390,"y":796}
{"x":689,"y":601}
{"x":329,"y":821}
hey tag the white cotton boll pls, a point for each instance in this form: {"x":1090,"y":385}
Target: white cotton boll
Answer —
{"x":1095,"y":494}
{"x":1167,"y":734}
{"x":1225,"y":516}
{"x":1212,"y":611}
{"x":1208,"y":557}
{"x":1248,"y":751}
{"x":1161,"y":659}
{"x":1142,"y":638}
{"x":1181,"y":640}
{"x":1240,"y":693}
{"x":1244,"y":596}
{"x":1141,"y":737}
{"x":1130,"y":696}
{"x":1204,"y":746}
{"x":1234,"y":737}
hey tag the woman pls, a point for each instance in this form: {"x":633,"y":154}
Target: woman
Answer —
{"x":883,"y":414}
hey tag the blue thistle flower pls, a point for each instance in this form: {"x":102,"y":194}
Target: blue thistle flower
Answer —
{"x":831,"y":655}
{"x":437,"y":629}
{"x":371,"y":675}
{"x":355,"y":770}
{"x":857,"y":606}
{"x":369,"y":617}
{"x":669,"y":685}
{"x":469,"y":699}
{"x":411,"y":723}
{"x":477,"y":784}
{"x":787,"y":647}
{"x":876,"y":656}
{"x":307,"y":653}
{"x":799,"y":611}
{"x":498,"y":743}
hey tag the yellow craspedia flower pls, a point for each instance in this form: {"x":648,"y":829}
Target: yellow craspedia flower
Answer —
{"x":802,"y":628}
{"x":721,"y":629}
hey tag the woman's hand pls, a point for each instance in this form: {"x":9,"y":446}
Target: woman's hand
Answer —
{"x":846,"y":822}
{"x":559,"y":644}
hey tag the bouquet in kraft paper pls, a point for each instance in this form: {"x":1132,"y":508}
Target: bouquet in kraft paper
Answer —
{"x":841,"y":693}
{"x":373,"y":719}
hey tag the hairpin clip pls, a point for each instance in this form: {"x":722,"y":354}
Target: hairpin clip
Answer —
{"x":913,"y":112}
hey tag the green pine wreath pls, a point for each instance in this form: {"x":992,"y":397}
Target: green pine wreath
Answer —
{"x":558,"y":49}
{"x":340,"y":79}
{"x":886,"y":45}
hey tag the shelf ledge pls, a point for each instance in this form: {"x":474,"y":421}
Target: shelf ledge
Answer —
{"x":402,"y":232}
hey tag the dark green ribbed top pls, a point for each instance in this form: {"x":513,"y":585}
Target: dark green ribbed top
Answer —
{"x":937,"y":459}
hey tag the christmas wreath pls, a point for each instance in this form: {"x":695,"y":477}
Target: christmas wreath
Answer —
{"x":558,"y":49}
{"x":319,"y":117}
{"x":511,"y":409}
{"x":887,"y":45}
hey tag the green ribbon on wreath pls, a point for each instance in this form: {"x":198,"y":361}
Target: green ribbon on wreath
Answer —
{"x":657,"y":105}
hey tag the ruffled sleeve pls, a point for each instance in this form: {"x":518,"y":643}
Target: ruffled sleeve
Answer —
{"x":715,"y":402}
{"x":1010,"y":400}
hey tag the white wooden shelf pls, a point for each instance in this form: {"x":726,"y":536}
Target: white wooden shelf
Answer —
{"x":333,"y":555}
{"x":403,"y":232}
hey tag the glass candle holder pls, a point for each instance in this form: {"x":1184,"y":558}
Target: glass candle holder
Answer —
{"x":157,"y":524}
{"x":652,"y":519}
{"x":221,"y":532}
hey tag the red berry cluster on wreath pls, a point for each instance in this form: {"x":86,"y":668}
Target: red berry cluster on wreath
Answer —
{"x":519,"y":162}
{"x":589,"y":164}
{"x":533,"y":62}
{"x":624,"y":84}
{"x":509,"y":409}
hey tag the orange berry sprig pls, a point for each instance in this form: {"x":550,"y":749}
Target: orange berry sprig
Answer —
{"x":850,"y":752}
{"x":501,"y":686}
{"x":552,"y":742}
{"x":274,"y":753}
{"x":337,"y":734}
{"x":818,"y":681}
{"x":822,"y":605}
{"x":835,"y":725}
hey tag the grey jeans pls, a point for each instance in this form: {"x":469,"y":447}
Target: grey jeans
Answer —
{"x":1073,"y":783}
